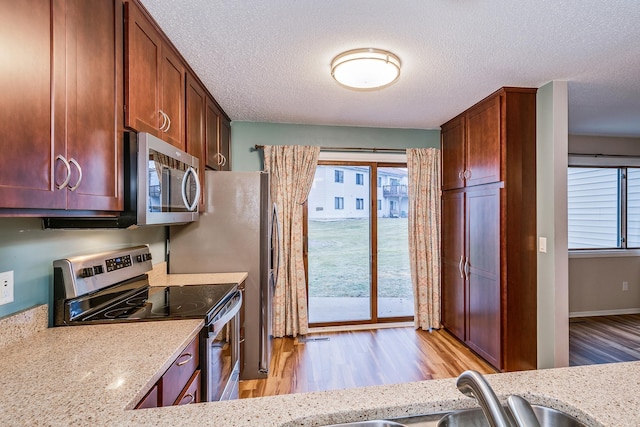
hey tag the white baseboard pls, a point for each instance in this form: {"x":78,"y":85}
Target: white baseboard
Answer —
{"x":604,"y":312}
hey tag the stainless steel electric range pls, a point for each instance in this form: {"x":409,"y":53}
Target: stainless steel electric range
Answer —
{"x":113,"y":287}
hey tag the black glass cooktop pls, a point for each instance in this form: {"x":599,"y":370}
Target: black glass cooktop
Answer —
{"x":164,"y":303}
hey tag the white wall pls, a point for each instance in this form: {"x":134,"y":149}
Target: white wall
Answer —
{"x":552,"y":162}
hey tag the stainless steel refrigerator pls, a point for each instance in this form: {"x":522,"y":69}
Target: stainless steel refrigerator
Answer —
{"x":236,"y":232}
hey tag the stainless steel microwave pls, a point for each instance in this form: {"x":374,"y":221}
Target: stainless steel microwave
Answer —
{"x":161,"y":187}
{"x":168,"y":186}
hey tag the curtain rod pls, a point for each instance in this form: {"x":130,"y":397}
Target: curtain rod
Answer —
{"x":374,"y":150}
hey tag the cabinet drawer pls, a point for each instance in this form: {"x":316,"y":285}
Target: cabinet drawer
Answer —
{"x":150,"y":400}
{"x":179,"y":374}
{"x":191,"y":393}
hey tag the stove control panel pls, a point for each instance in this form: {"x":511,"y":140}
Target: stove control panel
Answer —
{"x":84,"y":274}
{"x":119,"y":262}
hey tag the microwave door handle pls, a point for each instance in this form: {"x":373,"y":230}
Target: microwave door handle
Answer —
{"x":191,"y":207}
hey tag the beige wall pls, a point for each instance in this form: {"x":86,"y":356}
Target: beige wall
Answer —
{"x":595,"y":285}
{"x":579,"y":144}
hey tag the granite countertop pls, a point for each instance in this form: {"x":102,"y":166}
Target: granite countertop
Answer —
{"x":94,"y":375}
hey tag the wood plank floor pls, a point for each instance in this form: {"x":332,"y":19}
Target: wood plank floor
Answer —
{"x":604,"y":339}
{"x":337,"y":360}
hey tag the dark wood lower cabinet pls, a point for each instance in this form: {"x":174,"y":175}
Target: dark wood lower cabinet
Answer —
{"x":180,"y":384}
{"x":482,"y":220}
{"x":453,"y":252}
{"x":471,"y":294}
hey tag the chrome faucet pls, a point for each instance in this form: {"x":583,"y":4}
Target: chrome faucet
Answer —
{"x":472,"y":384}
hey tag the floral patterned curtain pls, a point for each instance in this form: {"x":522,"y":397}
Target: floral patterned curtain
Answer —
{"x":292,"y":169}
{"x":423,"y":166}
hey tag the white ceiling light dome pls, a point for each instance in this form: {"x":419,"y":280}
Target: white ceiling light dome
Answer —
{"x":366,"y":69}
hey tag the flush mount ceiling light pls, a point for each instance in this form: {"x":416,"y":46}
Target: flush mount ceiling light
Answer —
{"x":365,"y":69}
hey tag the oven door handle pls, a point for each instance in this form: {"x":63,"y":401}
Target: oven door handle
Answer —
{"x":231,"y":312}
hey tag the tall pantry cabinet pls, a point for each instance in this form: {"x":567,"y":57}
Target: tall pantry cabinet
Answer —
{"x":488,"y":252}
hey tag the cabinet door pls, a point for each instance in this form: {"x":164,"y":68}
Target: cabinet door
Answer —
{"x":483,"y":156}
{"x":172,"y":82}
{"x":453,"y":154}
{"x":212,"y":135}
{"x":28,"y":166}
{"x":225,"y":143}
{"x":143,"y":47}
{"x":196,"y":103}
{"x":94,"y":105}
{"x":453,"y":252}
{"x":483,"y":273}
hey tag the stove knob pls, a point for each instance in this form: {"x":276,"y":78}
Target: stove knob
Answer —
{"x":143,"y":257}
{"x":98,"y":269}
{"x":86,"y":272}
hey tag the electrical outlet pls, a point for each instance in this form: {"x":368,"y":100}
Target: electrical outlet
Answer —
{"x":625,"y":286}
{"x":6,"y":287}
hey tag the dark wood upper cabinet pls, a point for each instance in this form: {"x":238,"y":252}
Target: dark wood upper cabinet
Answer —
{"x":154,"y":80}
{"x":59,"y":109}
{"x":224,"y":144}
{"x":453,"y":154}
{"x":196,"y":103}
{"x":94,"y":58}
{"x":471,"y":146}
{"x":28,"y":162}
{"x":218,"y":138}
{"x":488,"y":261}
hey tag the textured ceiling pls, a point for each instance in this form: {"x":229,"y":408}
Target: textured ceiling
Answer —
{"x":269,"y":60}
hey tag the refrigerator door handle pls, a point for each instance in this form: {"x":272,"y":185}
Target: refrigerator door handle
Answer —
{"x":276,"y":238}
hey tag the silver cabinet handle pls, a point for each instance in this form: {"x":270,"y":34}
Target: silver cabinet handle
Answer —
{"x":164,"y":120}
{"x":222,"y":160}
{"x":77,"y":165}
{"x":460,"y":266}
{"x":467,"y":174}
{"x":461,"y":175}
{"x":188,"y":356}
{"x":190,"y":207}
{"x":182,"y":402}
{"x":466,"y":268}
{"x":66,"y":164}
{"x":168,"y":123}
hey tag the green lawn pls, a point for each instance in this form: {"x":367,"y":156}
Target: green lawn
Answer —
{"x":339,"y":258}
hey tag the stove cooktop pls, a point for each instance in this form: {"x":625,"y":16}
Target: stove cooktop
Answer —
{"x":164,"y":303}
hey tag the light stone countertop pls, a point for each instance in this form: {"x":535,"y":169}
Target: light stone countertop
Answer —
{"x":93,"y":375}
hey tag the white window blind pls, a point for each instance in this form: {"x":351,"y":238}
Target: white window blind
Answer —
{"x":594,"y":208}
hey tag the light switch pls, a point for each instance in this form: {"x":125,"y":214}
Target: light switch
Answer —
{"x":542,"y":245}
{"x":6,"y":287}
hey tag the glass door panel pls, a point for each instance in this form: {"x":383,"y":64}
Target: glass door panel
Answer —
{"x":338,"y":242}
{"x":395,"y":294}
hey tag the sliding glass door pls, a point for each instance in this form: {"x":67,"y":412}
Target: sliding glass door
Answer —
{"x":357,"y":245}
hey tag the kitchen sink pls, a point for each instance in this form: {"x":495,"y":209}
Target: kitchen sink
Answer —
{"x":547,"y":417}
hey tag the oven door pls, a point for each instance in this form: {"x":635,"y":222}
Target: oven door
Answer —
{"x":222,"y":353}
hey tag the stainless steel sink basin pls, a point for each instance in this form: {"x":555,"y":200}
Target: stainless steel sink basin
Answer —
{"x":548,"y":417}
{"x":371,"y":423}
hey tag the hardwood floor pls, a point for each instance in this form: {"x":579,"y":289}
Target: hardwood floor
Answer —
{"x":337,"y":360}
{"x":604,"y":339}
